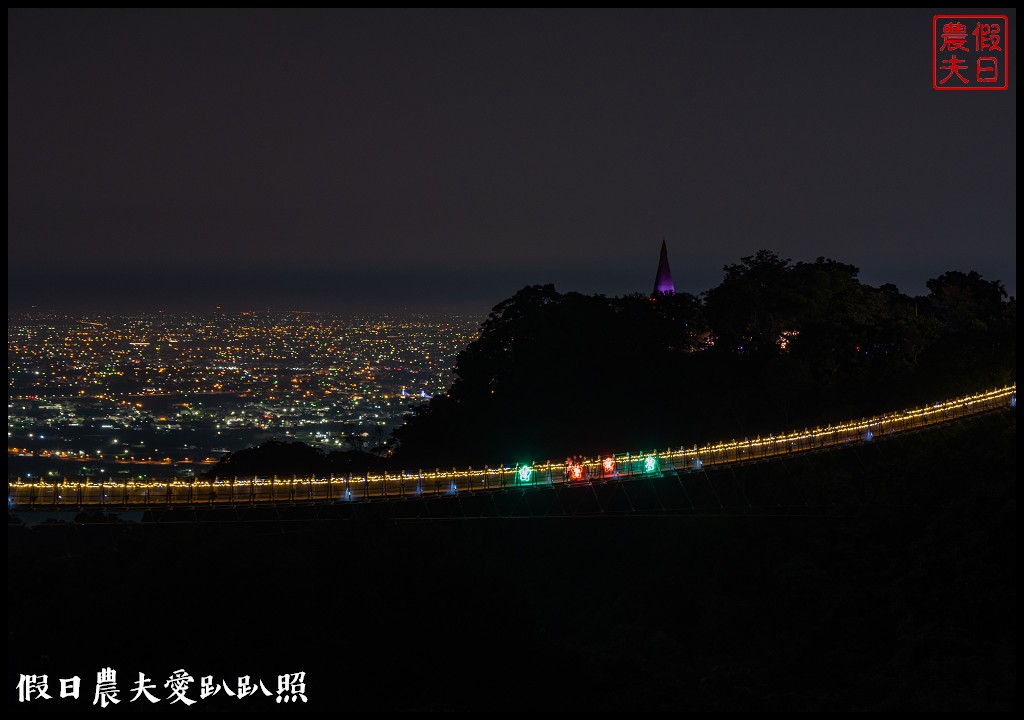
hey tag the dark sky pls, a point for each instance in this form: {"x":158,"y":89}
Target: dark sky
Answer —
{"x":367,"y":159}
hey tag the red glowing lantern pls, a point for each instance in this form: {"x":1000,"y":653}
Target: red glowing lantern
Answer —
{"x":575,"y":471}
{"x":608,"y":464}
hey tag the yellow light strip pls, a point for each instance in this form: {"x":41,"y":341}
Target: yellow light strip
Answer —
{"x":853,"y":430}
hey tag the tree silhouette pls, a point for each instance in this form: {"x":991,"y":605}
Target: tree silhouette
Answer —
{"x":552,"y":374}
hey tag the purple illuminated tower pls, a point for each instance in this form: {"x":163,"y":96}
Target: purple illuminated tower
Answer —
{"x":663,"y":282}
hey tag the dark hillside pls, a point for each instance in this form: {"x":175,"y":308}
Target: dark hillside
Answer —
{"x":892,"y":587}
{"x":777,"y":345}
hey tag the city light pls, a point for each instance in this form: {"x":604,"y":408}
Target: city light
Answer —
{"x":142,"y":381}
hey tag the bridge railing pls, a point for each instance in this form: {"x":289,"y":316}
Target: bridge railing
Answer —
{"x":73,"y":494}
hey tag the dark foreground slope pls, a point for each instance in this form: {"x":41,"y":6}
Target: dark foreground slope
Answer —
{"x":892,"y":588}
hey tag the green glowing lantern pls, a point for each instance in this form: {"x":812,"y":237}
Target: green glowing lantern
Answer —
{"x":525,"y":473}
{"x":650,"y":464}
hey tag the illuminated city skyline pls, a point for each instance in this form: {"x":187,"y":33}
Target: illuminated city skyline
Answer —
{"x":167,"y":394}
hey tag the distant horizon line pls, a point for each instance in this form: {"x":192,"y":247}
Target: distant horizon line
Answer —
{"x":46,"y":312}
{"x":452,"y":290}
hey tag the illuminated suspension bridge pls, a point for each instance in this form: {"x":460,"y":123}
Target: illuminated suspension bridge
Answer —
{"x":524,"y":476}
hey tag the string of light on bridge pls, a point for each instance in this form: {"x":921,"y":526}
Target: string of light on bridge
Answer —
{"x":614,"y":466}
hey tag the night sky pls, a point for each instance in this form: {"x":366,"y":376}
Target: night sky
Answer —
{"x":353,"y":160}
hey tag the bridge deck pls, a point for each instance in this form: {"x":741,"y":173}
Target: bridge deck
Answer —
{"x":623,"y":466}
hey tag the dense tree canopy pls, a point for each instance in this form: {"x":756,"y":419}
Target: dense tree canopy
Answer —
{"x":776,"y":344}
